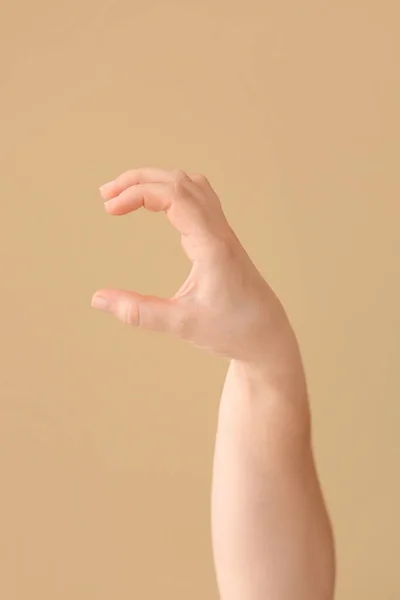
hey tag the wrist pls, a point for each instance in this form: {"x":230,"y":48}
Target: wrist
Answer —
{"x":272,"y":392}
{"x":278,"y":366}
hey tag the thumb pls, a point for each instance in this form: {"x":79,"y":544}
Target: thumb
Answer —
{"x":137,"y":310}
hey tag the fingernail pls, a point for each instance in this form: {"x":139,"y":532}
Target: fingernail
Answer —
{"x":100,"y":302}
{"x":108,"y":203}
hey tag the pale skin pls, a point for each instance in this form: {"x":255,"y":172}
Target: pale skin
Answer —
{"x":271,"y":533}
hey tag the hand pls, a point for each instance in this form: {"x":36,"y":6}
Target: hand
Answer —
{"x":224,"y":306}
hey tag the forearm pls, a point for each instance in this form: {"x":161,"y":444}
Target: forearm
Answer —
{"x":272,"y":538}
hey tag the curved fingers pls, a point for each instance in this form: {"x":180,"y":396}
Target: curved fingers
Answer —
{"x":152,"y":196}
{"x":139,"y":176}
{"x":189,"y":201}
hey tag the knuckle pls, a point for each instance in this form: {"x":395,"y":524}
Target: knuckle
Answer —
{"x":179,"y":174}
{"x":200,"y":179}
{"x":131,"y":314}
{"x":179,"y":179}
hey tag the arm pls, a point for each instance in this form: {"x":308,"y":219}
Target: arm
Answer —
{"x":271,"y":533}
{"x":272,"y":538}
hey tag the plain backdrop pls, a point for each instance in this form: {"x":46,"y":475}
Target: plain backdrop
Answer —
{"x":291,"y":109}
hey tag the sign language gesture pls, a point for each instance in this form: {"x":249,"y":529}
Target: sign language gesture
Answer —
{"x":225,"y":305}
{"x":271,"y":533}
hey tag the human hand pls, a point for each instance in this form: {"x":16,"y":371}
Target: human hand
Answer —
{"x":225,"y":306}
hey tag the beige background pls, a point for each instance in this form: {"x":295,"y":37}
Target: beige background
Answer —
{"x":106,"y":435}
